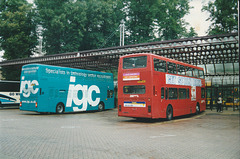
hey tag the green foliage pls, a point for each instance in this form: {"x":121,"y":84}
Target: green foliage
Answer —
{"x":103,"y":19}
{"x":73,"y":25}
{"x":18,"y":29}
{"x":223,"y":15}
{"x":18,"y":36}
{"x":169,"y":18}
{"x":77,"y":25}
{"x":192,"y":33}
{"x":139,"y":21}
{"x":156,"y":20}
{"x":63,"y":24}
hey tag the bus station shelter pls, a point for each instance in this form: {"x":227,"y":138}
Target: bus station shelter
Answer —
{"x":218,"y":55}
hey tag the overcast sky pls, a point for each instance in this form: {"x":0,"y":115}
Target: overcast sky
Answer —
{"x":196,"y":18}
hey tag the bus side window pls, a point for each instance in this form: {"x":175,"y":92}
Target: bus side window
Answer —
{"x":195,"y":73}
{"x":160,"y":65}
{"x":189,"y":72}
{"x":166,"y":93}
{"x":109,"y":93}
{"x":181,"y":69}
{"x":173,"y":93}
{"x":162,"y":93}
{"x":188,"y":93}
{"x":201,"y":74}
{"x":172,"y":68}
{"x":182,"y":93}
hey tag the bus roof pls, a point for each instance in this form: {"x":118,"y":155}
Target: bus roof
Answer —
{"x":163,"y":58}
{"x":52,"y":66}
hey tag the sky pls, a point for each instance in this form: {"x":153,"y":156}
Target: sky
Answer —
{"x":196,"y":18}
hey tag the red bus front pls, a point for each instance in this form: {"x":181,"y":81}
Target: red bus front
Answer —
{"x":134,"y":86}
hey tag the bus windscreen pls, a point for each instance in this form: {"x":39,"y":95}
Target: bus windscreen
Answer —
{"x":135,"y":62}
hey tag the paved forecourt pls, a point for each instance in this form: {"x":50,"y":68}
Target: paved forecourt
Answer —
{"x":104,"y":135}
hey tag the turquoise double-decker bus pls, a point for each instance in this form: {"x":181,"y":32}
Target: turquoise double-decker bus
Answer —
{"x":53,"y":89}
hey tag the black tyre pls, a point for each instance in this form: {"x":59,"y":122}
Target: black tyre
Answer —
{"x":100,"y":107}
{"x":197,"y":109}
{"x":169,"y":113}
{"x":60,"y":108}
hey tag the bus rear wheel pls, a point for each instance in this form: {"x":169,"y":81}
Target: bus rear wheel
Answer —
{"x":59,"y":108}
{"x":169,"y":113}
{"x":197,"y":109}
{"x":100,"y":106}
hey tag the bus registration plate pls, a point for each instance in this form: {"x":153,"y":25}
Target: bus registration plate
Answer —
{"x":134,"y":104}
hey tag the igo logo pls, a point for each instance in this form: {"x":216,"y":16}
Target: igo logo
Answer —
{"x":73,"y":92}
{"x":27,"y":87}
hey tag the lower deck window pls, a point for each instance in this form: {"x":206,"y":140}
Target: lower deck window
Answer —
{"x":136,"y":89}
{"x":173,"y":93}
{"x":182,"y":93}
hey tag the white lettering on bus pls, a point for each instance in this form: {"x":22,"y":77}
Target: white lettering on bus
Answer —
{"x":27,"y":87}
{"x":86,"y":95}
{"x":183,"y":81}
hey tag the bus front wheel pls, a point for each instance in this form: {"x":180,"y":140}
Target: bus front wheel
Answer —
{"x":169,"y":113}
{"x":59,"y":108}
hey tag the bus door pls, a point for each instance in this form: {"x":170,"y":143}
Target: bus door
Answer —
{"x":110,"y":98}
{"x":158,"y":100}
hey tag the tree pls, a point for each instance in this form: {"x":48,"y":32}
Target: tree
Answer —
{"x":18,"y":37}
{"x":73,"y":25}
{"x":18,"y":29}
{"x":223,"y":15}
{"x":103,"y":20}
{"x":63,"y":23}
{"x":139,"y":20}
{"x":169,"y":18}
{"x":156,"y":20}
{"x":191,"y":33}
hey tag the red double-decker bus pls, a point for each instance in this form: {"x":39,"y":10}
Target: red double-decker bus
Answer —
{"x":151,"y":86}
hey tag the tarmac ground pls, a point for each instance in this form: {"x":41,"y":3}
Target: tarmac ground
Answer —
{"x":90,"y":135}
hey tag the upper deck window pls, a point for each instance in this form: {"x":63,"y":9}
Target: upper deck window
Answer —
{"x":172,"y":68}
{"x":189,"y":71}
{"x":160,"y":65}
{"x":135,"y":62}
{"x":195,"y":73}
{"x":201,"y":74}
{"x":181,"y":69}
